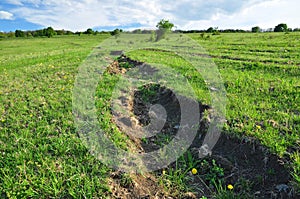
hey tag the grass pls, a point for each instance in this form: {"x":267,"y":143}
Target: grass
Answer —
{"x":262,"y":100}
{"x":43,"y":157}
{"x":262,"y":87}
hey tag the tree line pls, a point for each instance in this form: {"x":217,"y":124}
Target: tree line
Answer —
{"x":162,"y":26}
{"x":279,"y":28}
{"x":50,"y":32}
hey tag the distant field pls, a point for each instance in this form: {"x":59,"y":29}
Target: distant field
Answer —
{"x":41,"y":155}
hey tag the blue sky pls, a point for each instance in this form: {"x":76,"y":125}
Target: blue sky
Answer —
{"x":130,"y":14}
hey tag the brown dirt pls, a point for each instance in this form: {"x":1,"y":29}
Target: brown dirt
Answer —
{"x":114,"y":68}
{"x":139,"y":186}
{"x":247,"y":164}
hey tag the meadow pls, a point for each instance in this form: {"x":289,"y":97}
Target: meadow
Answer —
{"x":42,"y":155}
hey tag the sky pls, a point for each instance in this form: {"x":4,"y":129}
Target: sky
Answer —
{"x":79,"y":15}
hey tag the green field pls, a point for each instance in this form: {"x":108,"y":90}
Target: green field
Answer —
{"x":42,"y":156}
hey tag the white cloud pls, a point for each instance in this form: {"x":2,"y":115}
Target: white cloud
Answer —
{"x":83,"y":14}
{"x":6,"y":15}
{"x":15,"y":2}
{"x":186,"y":14}
{"x":264,"y":14}
{"x":273,"y":13}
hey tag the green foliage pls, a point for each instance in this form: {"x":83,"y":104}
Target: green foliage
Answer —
{"x":49,"y":32}
{"x":2,"y":35}
{"x":175,"y":180}
{"x":148,"y":91}
{"x":164,"y":26}
{"x":19,"y":33}
{"x":210,"y":30}
{"x":213,"y":172}
{"x":89,"y":31}
{"x":116,"y":32}
{"x":214,"y":31}
{"x":137,"y":31}
{"x":126,"y":180}
{"x":281,"y":28}
{"x":46,"y":32}
{"x":255,"y":29}
{"x":296,"y":30}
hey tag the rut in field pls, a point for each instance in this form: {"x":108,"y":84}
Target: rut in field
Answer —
{"x":246,"y":163}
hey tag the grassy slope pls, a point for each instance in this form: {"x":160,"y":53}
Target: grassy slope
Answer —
{"x":42,"y":156}
{"x":261,"y":75}
{"x":262,"y":88}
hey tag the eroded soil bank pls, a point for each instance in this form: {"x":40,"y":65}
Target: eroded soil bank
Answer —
{"x":243,"y":162}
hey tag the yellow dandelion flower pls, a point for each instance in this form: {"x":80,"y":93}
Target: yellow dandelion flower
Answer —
{"x":62,"y":88}
{"x":258,"y":127}
{"x":194,"y":171}
{"x":230,"y":186}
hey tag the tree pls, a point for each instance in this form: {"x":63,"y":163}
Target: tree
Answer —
{"x":89,"y":31}
{"x":281,"y":28}
{"x":137,"y":31}
{"x":116,"y":32}
{"x":49,"y":32}
{"x":2,"y":34}
{"x":210,"y":30}
{"x":19,"y":33}
{"x":164,"y":26}
{"x":215,"y":30}
{"x":296,"y":30}
{"x":78,"y":33}
{"x":256,"y":29}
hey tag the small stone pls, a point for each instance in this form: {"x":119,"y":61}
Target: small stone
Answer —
{"x":176,"y":127}
{"x":190,"y":195}
{"x":257,"y":193}
{"x":282,"y":188}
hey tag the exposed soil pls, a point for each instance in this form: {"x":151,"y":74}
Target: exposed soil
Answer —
{"x":145,"y":113}
{"x":247,"y":164}
{"x":247,"y":160}
{"x":135,"y":186}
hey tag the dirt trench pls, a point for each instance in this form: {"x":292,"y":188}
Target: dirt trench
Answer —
{"x":246,"y":163}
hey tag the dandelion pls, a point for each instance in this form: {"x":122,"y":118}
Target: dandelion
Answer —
{"x":258,"y":127}
{"x":62,"y":88}
{"x":230,"y":186}
{"x":194,"y":171}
